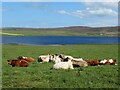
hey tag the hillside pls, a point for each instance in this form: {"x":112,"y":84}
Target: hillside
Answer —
{"x":65,"y":31}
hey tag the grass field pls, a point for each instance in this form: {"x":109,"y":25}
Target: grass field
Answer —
{"x":52,"y":33}
{"x":43,"y":32}
{"x":43,"y":76}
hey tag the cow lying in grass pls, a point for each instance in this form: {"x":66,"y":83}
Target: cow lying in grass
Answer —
{"x":53,"y":57}
{"x":29,"y":59}
{"x":48,"y":58}
{"x":92,"y":62}
{"x":79,"y":63}
{"x":101,"y":62}
{"x":63,"y":65}
{"x":57,"y":59}
{"x":18,"y":63}
{"x":44,"y":58}
{"x":65,"y":57}
{"x":107,"y":62}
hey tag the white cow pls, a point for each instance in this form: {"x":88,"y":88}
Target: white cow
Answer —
{"x":44,"y":58}
{"x":77,"y":59}
{"x":63,"y":65}
{"x":57,"y":59}
{"x":112,"y":61}
{"x":64,"y":57}
{"x":67,"y":56}
{"x":53,"y":57}
{"x":79,"y":63}
{"x":102,"y":62}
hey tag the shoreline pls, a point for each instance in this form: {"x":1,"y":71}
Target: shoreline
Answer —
{"x":54,"y":44}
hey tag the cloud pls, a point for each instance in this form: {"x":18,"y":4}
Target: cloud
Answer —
{"x":101,"y":12}
{"x":88,"y":12}
{"x":97,"y":9}
{"x":78,"y":13}
{"x":63,"y":12}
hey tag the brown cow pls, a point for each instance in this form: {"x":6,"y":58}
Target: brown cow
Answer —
{"x":92,"y":62}
{"x":18,"y":63}
{"x":29,"y":59}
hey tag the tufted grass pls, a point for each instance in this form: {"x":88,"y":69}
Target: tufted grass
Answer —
{"x":43,"y":76}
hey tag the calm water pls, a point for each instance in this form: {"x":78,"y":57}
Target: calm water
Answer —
{"x":56,"y":40}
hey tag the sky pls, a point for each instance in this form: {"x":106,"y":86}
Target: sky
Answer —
{"x":59,"y":14}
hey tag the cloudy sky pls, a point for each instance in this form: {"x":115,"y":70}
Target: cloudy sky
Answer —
{"x":59,"y":14}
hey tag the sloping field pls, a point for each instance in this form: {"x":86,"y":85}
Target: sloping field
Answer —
{"x":43,"y":76}
{"x":64,"y":31}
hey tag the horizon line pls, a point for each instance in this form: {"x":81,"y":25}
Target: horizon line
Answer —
{"x":59,"y":27}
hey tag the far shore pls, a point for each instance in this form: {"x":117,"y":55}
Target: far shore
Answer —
{"x":11,"y":34}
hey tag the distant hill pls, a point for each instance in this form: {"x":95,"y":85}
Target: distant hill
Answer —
{"x":78,"y":30}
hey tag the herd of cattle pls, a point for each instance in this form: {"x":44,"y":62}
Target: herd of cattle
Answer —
{"x":60,"y":61}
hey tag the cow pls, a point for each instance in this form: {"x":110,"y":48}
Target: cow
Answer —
{"x":65,"y":57}
{"x":93,"y":62}
{"x":44,"y":58}
{"x":108,"y":62}
{"x":80,"y":63}
{"x":57,"y":59}
{"x":112,"y":62}
{"x":18,"y":63}
{"x":63,"y":65}
{"x":29,"y":59}
{"x":54,"y":57}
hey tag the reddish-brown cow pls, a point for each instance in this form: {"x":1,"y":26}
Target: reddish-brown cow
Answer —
{"x":92,"y":62}
{"x":29,"y":59}
{"x":18,"y":63}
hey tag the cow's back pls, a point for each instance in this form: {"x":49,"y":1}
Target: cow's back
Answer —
{"x":23,"y":63}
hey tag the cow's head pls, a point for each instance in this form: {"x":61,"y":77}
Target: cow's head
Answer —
{"x":20,"y":57}
{"x":9,"y":61}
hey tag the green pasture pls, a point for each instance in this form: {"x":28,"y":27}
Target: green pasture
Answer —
{"x":23,"y":32}
{"x":44,"y":76}
{"x":43,"y":32}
